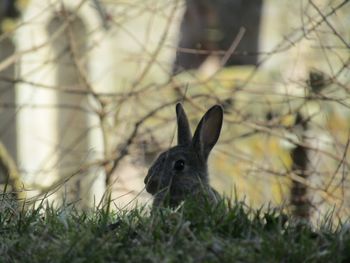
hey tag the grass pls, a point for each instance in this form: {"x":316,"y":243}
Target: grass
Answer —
{"x":226,"y":233}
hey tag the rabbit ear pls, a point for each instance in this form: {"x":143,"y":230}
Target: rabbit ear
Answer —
{"x":184,"y":135}
{"x":208,"y":131}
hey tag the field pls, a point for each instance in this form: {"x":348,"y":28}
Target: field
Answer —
{"x":230,"y":232}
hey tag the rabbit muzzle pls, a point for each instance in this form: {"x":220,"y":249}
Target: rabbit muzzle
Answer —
{"x":151,"y":184}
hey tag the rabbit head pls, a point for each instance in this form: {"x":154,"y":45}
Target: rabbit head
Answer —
{"x":181,"y":172}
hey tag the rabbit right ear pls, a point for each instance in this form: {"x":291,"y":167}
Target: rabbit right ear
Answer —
{"x":208,"y":131}
{"x":184,"y":135}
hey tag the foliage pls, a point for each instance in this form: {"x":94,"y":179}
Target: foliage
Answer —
{"x":230,"y":232}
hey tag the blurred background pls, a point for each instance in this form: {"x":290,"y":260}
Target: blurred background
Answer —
{"x":88,"y":91}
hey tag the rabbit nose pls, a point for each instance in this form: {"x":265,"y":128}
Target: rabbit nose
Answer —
{"x":151,"y":184}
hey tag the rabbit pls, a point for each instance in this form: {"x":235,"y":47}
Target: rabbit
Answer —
{"x":181,"y":172}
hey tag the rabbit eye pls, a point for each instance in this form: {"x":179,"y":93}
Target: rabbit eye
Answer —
{"x":179,"y":165}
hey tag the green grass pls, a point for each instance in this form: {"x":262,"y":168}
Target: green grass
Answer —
{"x":226,"y":233}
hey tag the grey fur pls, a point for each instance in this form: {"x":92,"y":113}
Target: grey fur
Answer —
{"x":168,"y":180}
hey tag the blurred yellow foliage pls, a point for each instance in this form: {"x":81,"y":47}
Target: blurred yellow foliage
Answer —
{"x":8,"y":25}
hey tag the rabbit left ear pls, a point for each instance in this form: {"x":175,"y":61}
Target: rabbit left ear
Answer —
{"x":208,"y":131}
{"x":184,"y":135}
